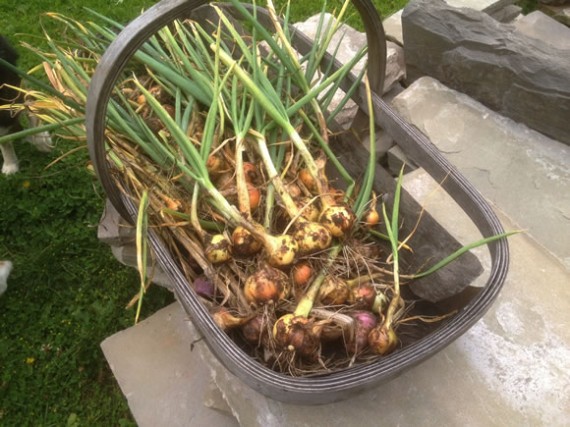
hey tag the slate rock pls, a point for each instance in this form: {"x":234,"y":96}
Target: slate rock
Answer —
{"x":518,"y":76}
{"x":540,"y":26}
{"x":555,"y":2}
{"x":488,"y":6}
{"x":351,"y":42}
{"x":507,"y":14}
{"x":559,"y":13}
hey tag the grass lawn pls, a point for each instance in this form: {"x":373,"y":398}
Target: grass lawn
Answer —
{"x":66,"y":293}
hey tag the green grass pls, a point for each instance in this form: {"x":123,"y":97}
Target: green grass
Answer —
{"x":67,"y":293}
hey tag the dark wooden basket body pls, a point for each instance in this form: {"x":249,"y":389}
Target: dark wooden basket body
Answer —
{"x":342,"y":384}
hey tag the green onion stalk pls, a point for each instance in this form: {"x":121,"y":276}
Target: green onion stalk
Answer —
{"x":195,"y":97}
{"x":296,"y":331}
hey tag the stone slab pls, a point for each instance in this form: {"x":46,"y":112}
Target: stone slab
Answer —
{"x":507,"y":14}
{"x":560,"y":13}
{"x":164,"y":381}
{"x":540,"y":26}
{"x":352,"y":41}
{"x":393,"y":28}
{"x":481,"y":5}
{"x":520,"y":170}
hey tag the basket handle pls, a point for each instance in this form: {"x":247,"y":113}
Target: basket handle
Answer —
{"x":136,"y":33}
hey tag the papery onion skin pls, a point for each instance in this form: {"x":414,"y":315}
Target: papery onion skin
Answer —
{"x":267,"y":285}
{"x":311,"y":236}
{"x":218,"y":249}
{"x":363,"y":296}
{"x":203,"y":287}
{"x":338,"y":219}
{"x":382,"y":340}
{"x":243,"y":243}
{"x":281,"y":250}
{"x":333,"y":291}
{"x":364,"y":322}
{"x":226,"y":320}
{"x":298,"y":334}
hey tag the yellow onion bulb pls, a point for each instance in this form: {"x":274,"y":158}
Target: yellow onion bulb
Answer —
{"x":338,"y":219}
{"x":254,"y":331}
{"x":302,"y":274}
{"x":215,"y":164}
{"x":294,"y":190}
{"x":309,"y":210}
{"x":298,"y":334}
{"x":311,"y":236}
{"x":254,"y":196}
{"x":243,"y":243}
{"x":250,"y":172}
{"x":267,"y":285}
{"x":308,"y":180}
{"x":382,"y":340}
{"x":281,"y":250}
{"x":218,"y":249}
{"x":226,"y":320}
{"x":372,"y":218}
{"x":333,"y":291}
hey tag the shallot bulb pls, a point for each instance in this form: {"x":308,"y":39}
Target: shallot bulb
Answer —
{"x":203,"y":287}
{"x":267,"y":285}
{"x":382,"y":339}
{"x":363,"y":296}
{"x":364,"y":322}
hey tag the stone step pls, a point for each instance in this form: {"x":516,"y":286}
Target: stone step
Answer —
{"x":540,"y":26}
{"x":165,"y":382}
{"x":523,"y":172}
{"x":561,"y":13}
